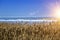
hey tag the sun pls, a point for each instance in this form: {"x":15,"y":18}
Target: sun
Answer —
{"x":57,"y":12}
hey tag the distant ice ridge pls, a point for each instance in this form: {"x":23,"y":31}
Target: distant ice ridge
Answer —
{"x":27,"y":20}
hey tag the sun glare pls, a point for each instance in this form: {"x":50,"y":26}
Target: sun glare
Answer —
{"x":56,"y":11}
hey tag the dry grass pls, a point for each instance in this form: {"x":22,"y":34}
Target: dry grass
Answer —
{"x":26,"y":31}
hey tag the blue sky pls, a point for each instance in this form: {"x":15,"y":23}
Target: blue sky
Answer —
{"x":26,"y":7}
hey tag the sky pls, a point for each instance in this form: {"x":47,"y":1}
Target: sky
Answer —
{"x":39,"y":8}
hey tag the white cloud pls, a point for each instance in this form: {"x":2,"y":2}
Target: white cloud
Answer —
{"x":34,"y":13}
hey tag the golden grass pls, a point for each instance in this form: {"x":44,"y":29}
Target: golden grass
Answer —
{"x":26,"y":31}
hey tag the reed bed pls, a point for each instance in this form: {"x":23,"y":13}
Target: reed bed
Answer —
{"x":29,"y":31}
